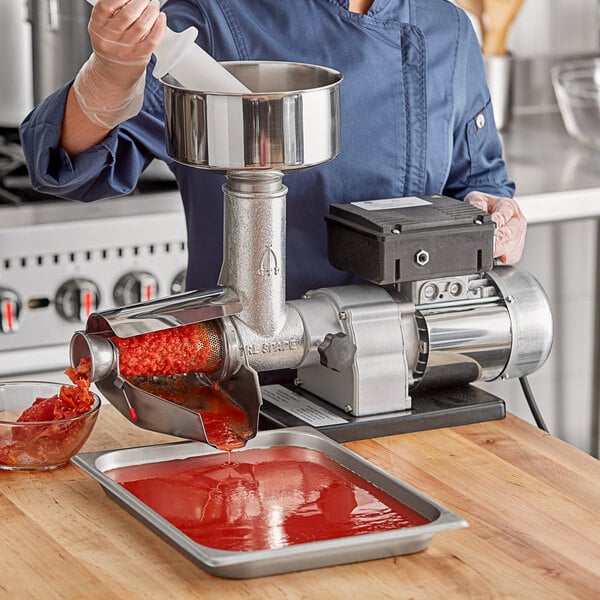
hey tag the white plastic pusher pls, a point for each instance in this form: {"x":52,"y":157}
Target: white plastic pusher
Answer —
{"x":190,"y":65}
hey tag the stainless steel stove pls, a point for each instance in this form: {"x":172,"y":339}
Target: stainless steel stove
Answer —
{"x":62,"y":260}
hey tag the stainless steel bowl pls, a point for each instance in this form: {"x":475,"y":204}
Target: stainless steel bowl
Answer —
{"x":289,"y":122}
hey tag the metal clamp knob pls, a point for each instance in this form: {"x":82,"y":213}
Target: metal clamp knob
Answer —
{"x":337,"y":351}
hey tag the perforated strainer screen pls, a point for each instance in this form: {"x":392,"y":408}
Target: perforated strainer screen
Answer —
{"x":196,"y":348}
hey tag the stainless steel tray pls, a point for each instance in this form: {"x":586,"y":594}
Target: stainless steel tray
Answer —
{"x":239,"y":565}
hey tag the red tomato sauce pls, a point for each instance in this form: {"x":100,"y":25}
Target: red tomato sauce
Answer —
{"x":264,"y":498}
{"x":226,"y":425}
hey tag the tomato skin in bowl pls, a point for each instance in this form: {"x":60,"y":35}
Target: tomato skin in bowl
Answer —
{"x":43,"y":424}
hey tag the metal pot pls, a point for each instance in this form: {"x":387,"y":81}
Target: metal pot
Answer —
{"x":60,"y":42}
{"x":15,"y":68}
{"x":289,"y":122}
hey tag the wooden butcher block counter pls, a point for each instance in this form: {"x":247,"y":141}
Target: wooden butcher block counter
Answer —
{"x":532,"y":502}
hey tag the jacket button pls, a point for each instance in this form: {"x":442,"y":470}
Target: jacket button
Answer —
{"x":480,"y":121}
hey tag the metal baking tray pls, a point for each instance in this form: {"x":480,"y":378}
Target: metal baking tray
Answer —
{"x":239,"y":565}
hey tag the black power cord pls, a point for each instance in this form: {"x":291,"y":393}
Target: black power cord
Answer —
{"x":535,"y":411}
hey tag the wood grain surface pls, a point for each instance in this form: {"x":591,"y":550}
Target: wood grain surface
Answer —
{"x":532,"y":502}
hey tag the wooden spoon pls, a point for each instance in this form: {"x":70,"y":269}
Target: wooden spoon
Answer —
{"x":475,"y":7}
{"x":498,"y":15}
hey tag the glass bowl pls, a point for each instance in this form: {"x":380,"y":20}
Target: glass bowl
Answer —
{"x":39,"y":445}
{"x":577,"y":89}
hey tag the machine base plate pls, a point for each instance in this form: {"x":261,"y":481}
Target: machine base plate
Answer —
{"x":288,"y":406}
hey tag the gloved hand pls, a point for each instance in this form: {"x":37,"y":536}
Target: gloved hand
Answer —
{"x":511,"y":225}
{"x":110,"y":85}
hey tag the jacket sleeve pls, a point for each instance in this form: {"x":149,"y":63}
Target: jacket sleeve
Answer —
{"x":477,"y":162}
{"x":111,"y":168}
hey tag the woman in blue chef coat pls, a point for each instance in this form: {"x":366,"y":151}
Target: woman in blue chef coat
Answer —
{"x":415,"y":116}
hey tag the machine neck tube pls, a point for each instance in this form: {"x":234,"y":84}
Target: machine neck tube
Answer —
{"x":254,"y":247}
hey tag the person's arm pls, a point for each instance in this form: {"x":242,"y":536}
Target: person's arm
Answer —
{"x":78,"y":133}
{"x":109,"y":87}
{"x":98,"y":160}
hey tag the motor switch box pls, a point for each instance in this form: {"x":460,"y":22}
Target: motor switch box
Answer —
{"x":396,"y":240}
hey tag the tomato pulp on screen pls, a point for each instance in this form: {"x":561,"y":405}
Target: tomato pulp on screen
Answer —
{"x":166,"y":363}
{"x":187,"y":349}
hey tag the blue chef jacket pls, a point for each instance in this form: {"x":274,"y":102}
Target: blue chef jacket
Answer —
{"x":415,"y":119}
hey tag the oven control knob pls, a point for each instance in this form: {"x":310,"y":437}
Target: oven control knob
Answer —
{"x":134,"y":287}
{"x":10,"y":311}
{"x":77,"y":299}
{"x":178,"y":283}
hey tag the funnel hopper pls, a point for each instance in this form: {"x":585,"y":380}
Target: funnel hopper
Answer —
{"x":289,"y":122}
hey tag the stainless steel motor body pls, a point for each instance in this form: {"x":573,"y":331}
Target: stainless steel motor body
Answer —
{"x":500,"y":327}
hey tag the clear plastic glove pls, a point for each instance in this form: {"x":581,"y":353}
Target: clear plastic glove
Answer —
{"x":511,"y":225}
{"x":110,"y":85}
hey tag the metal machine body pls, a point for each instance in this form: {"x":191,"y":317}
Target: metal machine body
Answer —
{"x":433,"y":313}
{"x":502,"y":329}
